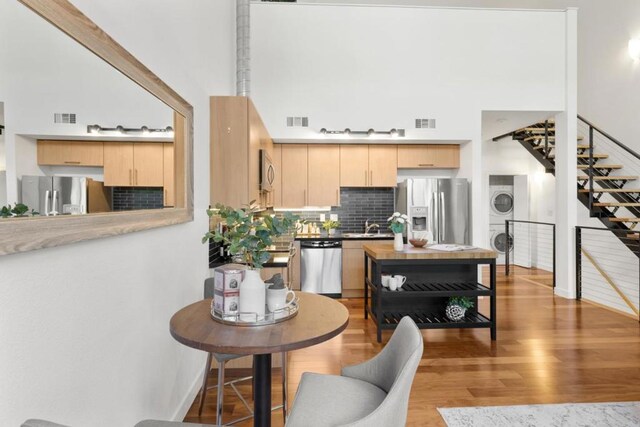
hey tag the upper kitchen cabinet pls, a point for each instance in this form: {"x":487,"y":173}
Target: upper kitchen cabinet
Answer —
{"x":368,"y":165}
{"x":383,"y":170}
{"x":323,"y":175}
{"x":70,"y":153}
{"x":128,"y":164}
{"x":434,"y":156}
{"x":354,"y":165}
{"x":237,"y":136}
{"x":169,"y":179}
{"x":294,"y":175}
{"x":276,"y":191}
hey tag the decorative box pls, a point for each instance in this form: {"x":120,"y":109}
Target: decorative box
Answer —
{"x":226,"y":295}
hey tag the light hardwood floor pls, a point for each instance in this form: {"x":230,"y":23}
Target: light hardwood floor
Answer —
{"x":549,"y":350}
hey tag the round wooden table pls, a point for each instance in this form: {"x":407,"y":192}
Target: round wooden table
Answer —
{"x":319,"y":319}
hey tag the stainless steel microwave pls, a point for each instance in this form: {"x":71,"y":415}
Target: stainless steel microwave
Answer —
{"x":267,"y":171}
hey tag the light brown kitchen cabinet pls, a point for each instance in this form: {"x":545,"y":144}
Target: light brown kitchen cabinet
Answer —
{"x":169,"y":175}
{"x":353,"y":268}
{"x":118,"y":164}
{"x":294,"y":175}
{"x":324,"y":175}
{"x":70,"y":153}
{"x":368,"y":165}
{"x":383,"y":165}
{"x":128,"y":164}
{"x":237,"y":135}
{"x":276,"y":192}
{"x":354,"y":165}
{"x":432,"y":156}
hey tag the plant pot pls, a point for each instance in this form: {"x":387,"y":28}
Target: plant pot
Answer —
{"x":455,"y":313}
{"x":332,"y":231}
{"x":398,"y":243}
{"x":252,"y":297}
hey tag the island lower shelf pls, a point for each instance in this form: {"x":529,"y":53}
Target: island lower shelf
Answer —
{"x":431,"y":280}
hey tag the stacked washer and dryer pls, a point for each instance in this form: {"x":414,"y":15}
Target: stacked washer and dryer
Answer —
{"x":502,"y":204}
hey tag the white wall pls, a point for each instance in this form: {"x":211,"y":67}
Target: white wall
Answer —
{"x":85,"y":327}
{"x":381,"y":67}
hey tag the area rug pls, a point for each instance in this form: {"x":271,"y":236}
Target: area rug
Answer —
{"x":621,"y":414}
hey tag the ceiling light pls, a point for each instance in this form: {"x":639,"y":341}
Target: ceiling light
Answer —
{"x":634,"y":48}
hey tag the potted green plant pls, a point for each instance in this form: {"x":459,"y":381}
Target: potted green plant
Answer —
{"x":248,"y":236}
{"x":457,"y":308}
{"x":330,"y":226}
{"x":397,"y":224}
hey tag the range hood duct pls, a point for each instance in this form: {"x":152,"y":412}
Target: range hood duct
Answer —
{"x":243,"y":48}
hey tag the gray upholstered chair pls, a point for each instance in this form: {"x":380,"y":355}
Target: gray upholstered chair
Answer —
{"x":222,"y":359}
{"x":372,"y":394}
{"x":40,"y":423}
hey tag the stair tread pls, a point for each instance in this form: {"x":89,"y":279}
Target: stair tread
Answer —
{"x":536,"y":130}
{"x":601,"y":166}
{"x":551,"y":137}
{"x":580,"y":147}
{"x":616,"y":204}
{"x":610,"y":178}
{"x":624,"y":219}
{"x":611,"y":190}
{"x":634,"y":236}
{"x":584,"y":156}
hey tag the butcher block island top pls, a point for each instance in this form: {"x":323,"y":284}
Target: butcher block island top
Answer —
{"x":385,"y":251}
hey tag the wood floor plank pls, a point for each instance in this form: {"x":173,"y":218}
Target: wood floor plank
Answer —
{"x":549,"y":350}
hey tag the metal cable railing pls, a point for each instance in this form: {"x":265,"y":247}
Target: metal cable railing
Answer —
{"x":534,"y":245}
{"x":608,"y":267}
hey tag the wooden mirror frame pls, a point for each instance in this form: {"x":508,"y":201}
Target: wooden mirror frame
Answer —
{"x":32,"y":233}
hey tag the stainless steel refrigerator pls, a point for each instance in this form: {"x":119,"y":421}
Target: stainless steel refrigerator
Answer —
{"x":55,"y":195}
{"x":437,"y":208}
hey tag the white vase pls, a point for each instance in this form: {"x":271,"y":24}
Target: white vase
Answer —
{"x":332,"y":231}
{"x":252,"y":296}
{"x":398,"y":244}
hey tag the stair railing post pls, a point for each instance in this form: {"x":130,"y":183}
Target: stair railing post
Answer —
{"x":591,"y":171}
{"x":546,"y":138}
{"x":506,"y":253}
{"x":578,"y":263}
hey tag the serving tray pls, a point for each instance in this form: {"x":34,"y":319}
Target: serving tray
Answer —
{"x":270,"y":317}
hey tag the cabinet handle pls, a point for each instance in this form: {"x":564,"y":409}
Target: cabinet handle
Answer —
{"x":425,"y":164}
{"x":130,"y":177}
{"x":71,"y":163}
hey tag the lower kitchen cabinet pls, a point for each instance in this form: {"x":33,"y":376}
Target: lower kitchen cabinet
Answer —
{"x":353,"y":268}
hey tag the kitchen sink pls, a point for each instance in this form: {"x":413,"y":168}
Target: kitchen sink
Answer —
{"x":366,"y":235}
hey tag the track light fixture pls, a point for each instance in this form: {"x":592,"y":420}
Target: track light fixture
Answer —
{"x":95,"y":129}
{"x":369,"y":133}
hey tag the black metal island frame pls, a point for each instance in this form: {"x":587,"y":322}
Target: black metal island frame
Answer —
{"x":432,"y":277}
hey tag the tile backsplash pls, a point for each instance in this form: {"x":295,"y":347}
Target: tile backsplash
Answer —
{"x":356,"y":206}
{"x":131,"y":198}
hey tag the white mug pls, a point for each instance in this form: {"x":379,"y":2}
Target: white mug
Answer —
{"x":385,"y":280}
{"x":399,"y":280}
{"x":277,"y":298}
{"x":392,"y":284}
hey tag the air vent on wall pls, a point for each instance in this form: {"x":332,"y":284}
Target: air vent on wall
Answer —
{"x":301,"y":122}
{"x":425,"y":123}
{"x":69,"y":118}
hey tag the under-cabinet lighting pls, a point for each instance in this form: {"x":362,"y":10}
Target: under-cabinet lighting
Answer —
{"x":305,"y":209}
{"x":144,"y":130}
{"x":634,"y":48}
{"x":370,"y":133}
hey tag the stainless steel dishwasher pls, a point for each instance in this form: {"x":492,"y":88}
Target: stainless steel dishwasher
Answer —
{"x":321,"y":267}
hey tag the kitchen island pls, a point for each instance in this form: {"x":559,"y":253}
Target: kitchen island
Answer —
{"x":432,"y":277}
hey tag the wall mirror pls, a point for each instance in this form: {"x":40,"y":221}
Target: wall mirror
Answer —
{"x":93,"y":144}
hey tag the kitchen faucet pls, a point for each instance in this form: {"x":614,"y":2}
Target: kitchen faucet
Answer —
{"x":368,"y":227}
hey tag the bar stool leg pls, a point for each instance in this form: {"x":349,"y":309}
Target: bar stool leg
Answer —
{"x":285,"y":406}
{"x":221,"y":366}
{"x":203,"y":392}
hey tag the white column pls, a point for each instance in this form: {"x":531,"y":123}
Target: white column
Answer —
{"x":566,"y":172}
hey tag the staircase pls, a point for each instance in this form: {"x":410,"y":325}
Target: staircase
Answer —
{"x":605,"y":185}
